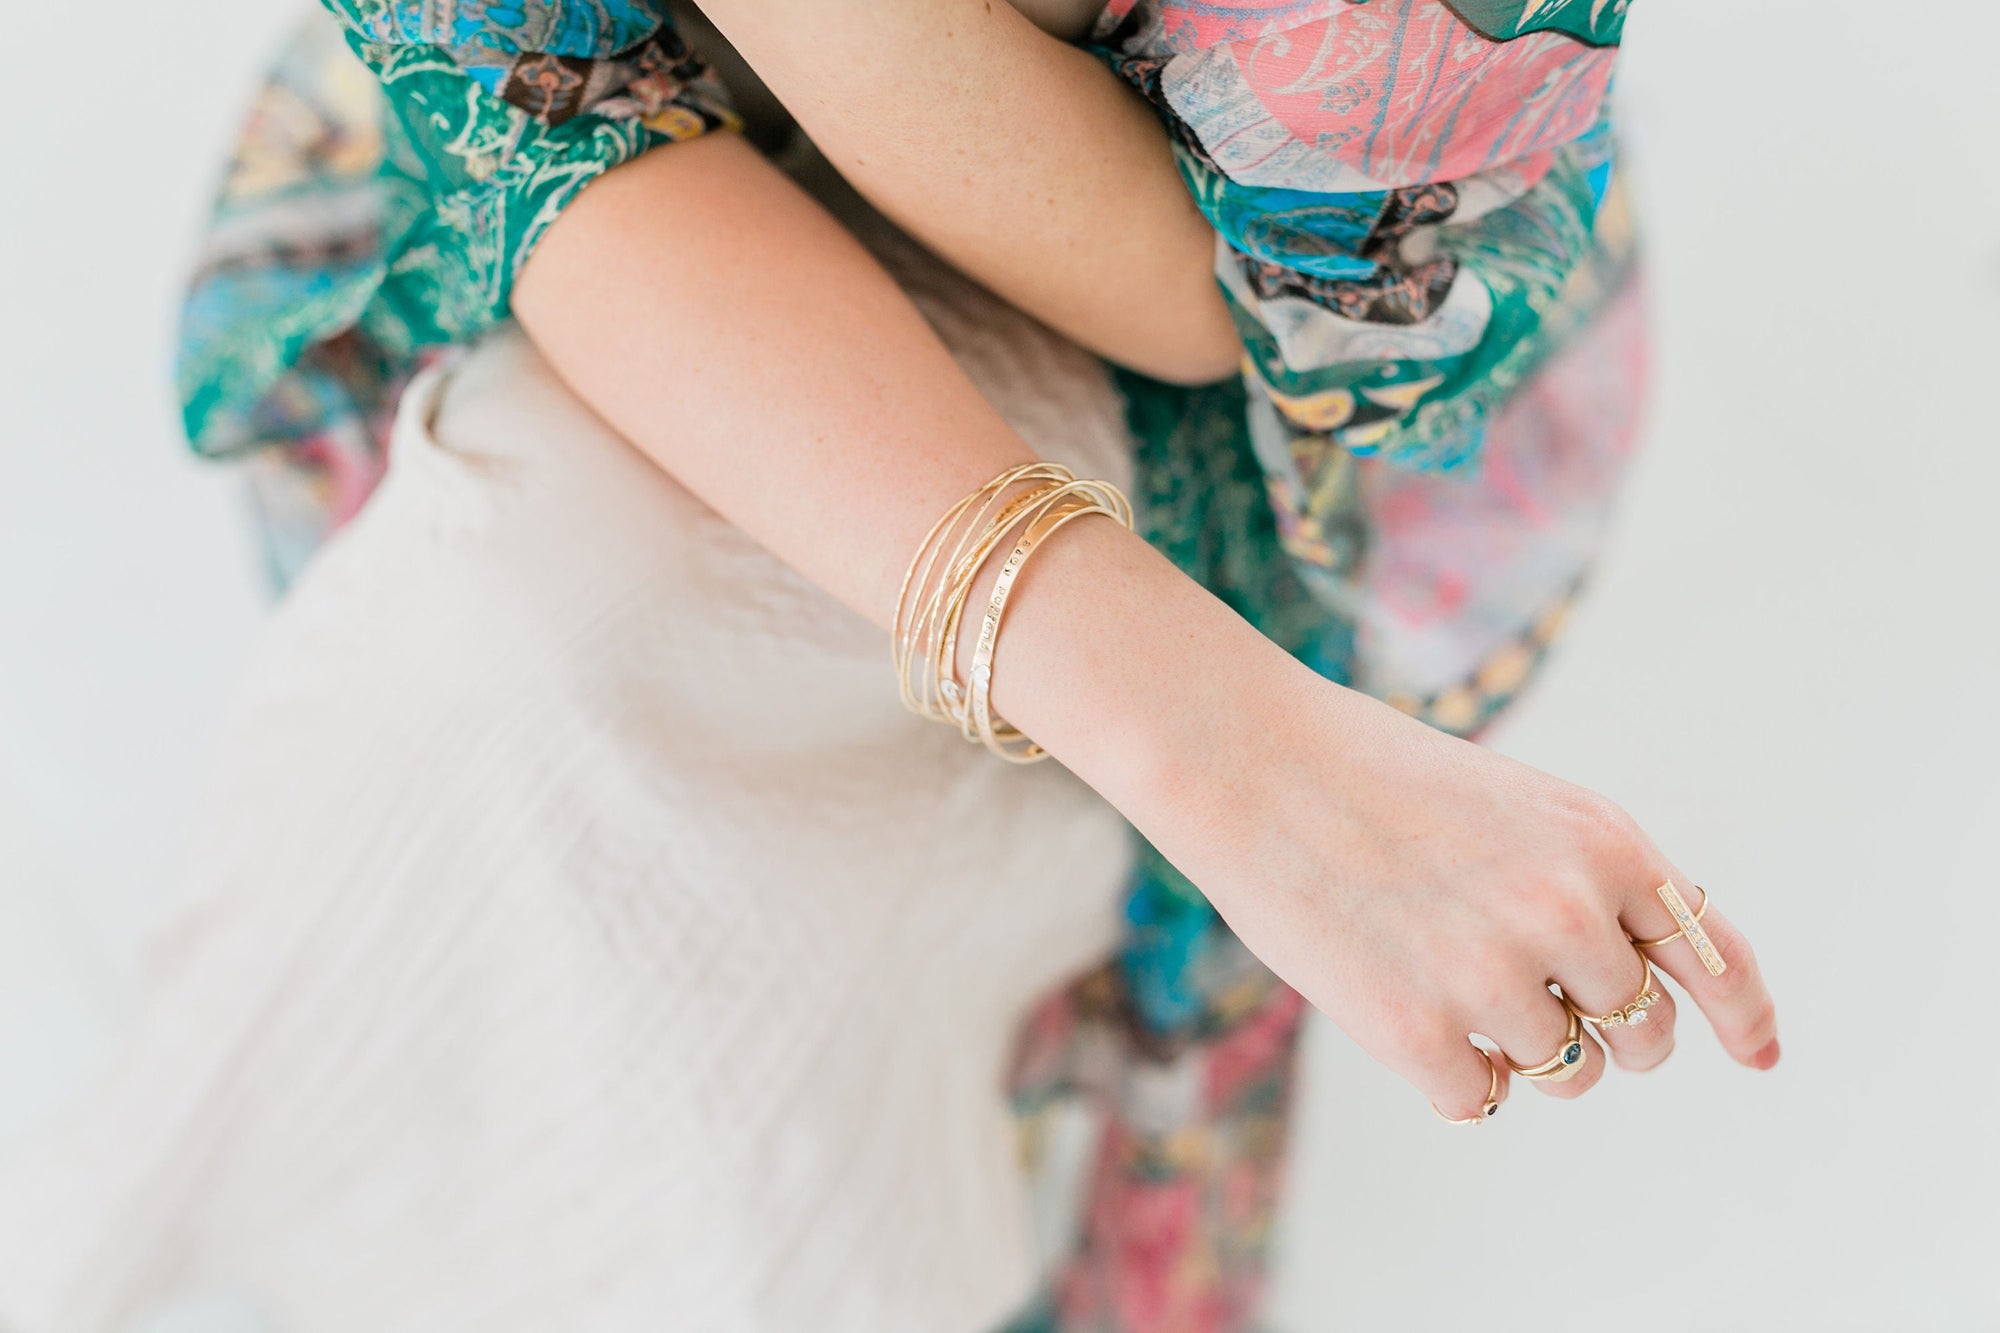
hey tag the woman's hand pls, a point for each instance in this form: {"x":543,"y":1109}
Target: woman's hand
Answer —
{"x":1415,"y":887}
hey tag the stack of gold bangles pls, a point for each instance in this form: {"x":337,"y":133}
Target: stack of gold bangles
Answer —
{"x":938,"y":587}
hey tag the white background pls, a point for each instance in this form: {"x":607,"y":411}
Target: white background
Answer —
{"x":1787,"y":671}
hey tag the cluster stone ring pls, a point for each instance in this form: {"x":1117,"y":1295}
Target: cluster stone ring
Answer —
{"x":1564,"y":1064}
{"x":1633,"y":1014}
{"x":1486,"y":1108}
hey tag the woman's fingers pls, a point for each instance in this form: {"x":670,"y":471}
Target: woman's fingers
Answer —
{"x":1613,"y":978}
{"x":1736,"y":1002}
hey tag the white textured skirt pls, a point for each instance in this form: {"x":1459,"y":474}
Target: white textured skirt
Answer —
{"x":582,"y":937}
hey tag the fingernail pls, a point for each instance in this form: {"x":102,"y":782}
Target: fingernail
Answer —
{"x":1767,"y":1057}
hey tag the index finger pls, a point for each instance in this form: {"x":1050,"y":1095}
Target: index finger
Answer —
{"x":1734,"y":999}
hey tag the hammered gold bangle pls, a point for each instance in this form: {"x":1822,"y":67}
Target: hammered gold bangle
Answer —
{"x":937,"y":588}
{"x":945,"y":609}
{"x":1052,"y":516}
{"x":910,"y":621}
{"x":917,"y":631}
{"x":955,"y":594}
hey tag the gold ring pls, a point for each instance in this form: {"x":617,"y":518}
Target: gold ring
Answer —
{"x":1486,"y":1108}
{"x":1633,"y":1014}
{"x":1690,"y":926}
{"x":1669,"y":939}
{"x":1561,"y":1066}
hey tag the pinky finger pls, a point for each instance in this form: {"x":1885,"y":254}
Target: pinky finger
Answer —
{"x":1459,"y":1107}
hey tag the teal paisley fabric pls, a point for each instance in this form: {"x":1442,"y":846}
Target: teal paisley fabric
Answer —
{"x":486,"y":121}
{"x":1594,"y":22}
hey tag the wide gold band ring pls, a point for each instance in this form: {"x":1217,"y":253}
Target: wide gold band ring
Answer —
{"x":1564,"y":1064}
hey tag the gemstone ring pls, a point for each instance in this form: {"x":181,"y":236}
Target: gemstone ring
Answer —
{"x":1633,"y":1014}
{"x":1564,"y":1064}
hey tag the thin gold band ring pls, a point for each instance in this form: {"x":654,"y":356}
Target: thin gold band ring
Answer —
{"x":1486,"y":1108}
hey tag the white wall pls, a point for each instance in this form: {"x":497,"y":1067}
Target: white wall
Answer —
{"x":127,"y":587}
{"x":1787,"y":671}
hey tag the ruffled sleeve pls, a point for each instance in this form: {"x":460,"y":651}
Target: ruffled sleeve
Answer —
{"x":368,"y":220}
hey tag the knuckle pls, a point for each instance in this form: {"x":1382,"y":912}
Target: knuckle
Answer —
{"x":1740,"y":978}
{"x":1568,"y":915}
{"x":1412,"y":1029}
{"x":1600,"y":818}
{"x":1610,"y":837}
{"x":1734,"y":983}
{"x":1735,"y":949}
{"x":1491,"y":988}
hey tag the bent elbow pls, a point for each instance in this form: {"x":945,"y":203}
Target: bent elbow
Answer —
{"x":1190,"y":365}
{"x":1200,"y":347}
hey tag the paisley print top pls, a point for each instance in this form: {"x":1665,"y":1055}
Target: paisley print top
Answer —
{"x":1423,"y":242}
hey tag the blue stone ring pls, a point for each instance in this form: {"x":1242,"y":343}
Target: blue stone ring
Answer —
{"x":1564,"y":1063}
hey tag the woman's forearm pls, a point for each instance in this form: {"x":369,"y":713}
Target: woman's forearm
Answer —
{"x":1413,"y":886}
{"x":1013,"y":154}
{"x":733,"y":330}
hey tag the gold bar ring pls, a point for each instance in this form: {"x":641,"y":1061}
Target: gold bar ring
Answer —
{"x":1669,"y":939}
{"x":1690,"y":926}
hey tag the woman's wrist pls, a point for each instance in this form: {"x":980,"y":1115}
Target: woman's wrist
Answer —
{"x":1134,"y":676}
